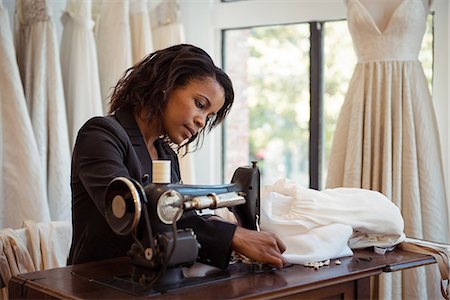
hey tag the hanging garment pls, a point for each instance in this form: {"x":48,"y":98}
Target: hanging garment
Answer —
{"x":14,"y":258}
{"x":141,"y":34}
{"x":440,"y":252}
{"x":186,"y":160}
{"x":386,"y":138}
{"x":168,"y":30}
{"x":38,"y":60}
{"x":319,"y":225}
{"x":49,"y":243}
{"x":22,"y":185}
{"x":79,"y":66}
{"x":168,"y":35}
{"x":113,"y":45}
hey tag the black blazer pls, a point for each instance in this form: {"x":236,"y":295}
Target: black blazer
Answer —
{"x":112,"y":146}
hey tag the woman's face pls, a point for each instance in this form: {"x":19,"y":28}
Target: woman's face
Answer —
{"x":189,"y":107}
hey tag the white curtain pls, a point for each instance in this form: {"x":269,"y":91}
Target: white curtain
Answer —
{"x":22,"y":185}
{"x":79,"y":66}
{"x":39,"y":65}
{"x":141,"y":33}
{"x":113,"y":45}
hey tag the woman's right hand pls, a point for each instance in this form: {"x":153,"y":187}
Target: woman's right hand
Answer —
{"x":263,"y":247}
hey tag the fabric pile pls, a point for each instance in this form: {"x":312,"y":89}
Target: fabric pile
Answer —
{"x":319,"y":225}
{"x":35,"y":247}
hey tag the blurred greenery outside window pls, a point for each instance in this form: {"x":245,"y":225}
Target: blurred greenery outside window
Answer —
{"x":270,"y":120}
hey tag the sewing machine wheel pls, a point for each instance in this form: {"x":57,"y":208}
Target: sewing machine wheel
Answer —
{"x":123,"y":204}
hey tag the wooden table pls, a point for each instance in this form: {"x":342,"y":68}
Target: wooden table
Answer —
{"x":349,"y":280}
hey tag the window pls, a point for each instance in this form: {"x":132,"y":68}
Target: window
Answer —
{"x":290,"y":82}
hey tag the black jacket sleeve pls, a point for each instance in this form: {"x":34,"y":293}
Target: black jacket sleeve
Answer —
{"x":101,"y":153}
{"x":214,"y":238}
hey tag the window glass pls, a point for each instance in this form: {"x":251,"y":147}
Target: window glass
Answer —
{"x":270,"y":121}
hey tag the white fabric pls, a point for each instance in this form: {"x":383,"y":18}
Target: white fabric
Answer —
{"x":113,"y":45}
{"x":318,"y":244}
{"x":386,"y":138}
{"x":37,"y":246}
{"x":141,"y":33}
{"x":187,"y":167}
{"x":79,"y":66}
{"x":38,"y":60}
{"x":22,"y":185}
{"x":441,"y":253}
{"x":49,"y":243}
{"x":311,"y":222}
{"x":167,"y":28}
{"x":226,"y":214}
{"x":14,"y":257}
{"x":168,"y":35}
{"x":438,"y":246}
{"x":169,"y":31}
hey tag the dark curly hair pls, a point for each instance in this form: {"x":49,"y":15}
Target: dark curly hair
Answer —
{"x":147,"y":85}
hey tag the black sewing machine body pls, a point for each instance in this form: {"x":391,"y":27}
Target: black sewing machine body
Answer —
{"x":150,"y":213}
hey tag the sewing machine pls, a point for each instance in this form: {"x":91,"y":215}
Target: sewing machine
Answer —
{"x":150,"y":213}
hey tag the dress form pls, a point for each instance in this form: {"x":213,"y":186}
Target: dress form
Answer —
{"x":387,"y":128}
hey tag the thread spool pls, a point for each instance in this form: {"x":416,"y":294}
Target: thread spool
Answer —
{"x":161,"y":171}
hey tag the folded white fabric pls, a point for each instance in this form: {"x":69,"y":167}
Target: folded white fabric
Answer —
{"x":49,"y":243}
{"x":295,"y":214}
{"x":318,"y":244}
{"x":14,"y":258}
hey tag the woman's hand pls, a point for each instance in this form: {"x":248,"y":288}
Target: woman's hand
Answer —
{"x":263,"y":247}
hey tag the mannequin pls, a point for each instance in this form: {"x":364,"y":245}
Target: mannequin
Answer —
{"x":381,"y":10}
{"x":386,"y":136}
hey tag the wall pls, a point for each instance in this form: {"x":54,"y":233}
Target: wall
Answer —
{"x":441,"y":91}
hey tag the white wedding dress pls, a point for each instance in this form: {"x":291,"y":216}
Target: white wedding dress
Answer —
{"x":79,"y":66}
{"x":22,"y":186}
{"x":113,"y":38}
{"x":386,"y":137}
{"x":141,"y":32}
{"x":40,"y":69}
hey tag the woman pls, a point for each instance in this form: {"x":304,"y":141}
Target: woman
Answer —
{"x":170,"y":97}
